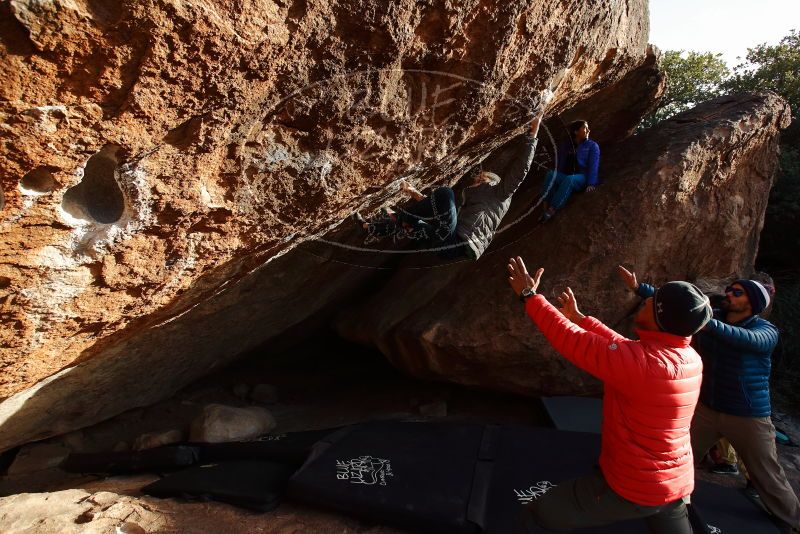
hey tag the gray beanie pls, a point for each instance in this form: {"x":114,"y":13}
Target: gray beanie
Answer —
{"x":681,"y":309}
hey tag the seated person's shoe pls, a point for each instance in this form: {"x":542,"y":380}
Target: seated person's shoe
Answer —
{"x":546,"y":216}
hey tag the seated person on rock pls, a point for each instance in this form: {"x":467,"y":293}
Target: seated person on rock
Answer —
{"x":463,"y":228}
{"x":578,"y":163}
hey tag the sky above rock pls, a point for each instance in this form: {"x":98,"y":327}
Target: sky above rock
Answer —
{"x":729,"y":27}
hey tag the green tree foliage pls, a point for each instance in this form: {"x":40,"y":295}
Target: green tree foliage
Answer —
{"x":771,"y":67}
{"x":777,"y":68}
{"x":692,"y":77}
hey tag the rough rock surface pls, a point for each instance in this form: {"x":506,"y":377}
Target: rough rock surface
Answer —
{"x":264,"y":394}
{"x":615,"y":111}
{"x":103,"y":511}
{"x":76,"y":510}
{"x":151,"y":440}
{"x":683,"y":200}
{"x":34,"y":457}
{"x":152,"y":172}
{"x":219,"y":423}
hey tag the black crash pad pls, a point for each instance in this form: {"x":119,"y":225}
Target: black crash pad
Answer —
{"x":575,"y":414}
{"x":252,"y":484}
{"x":724,"y":510}
{"x":447,"y":477}
{"x":158,"y":459}
{"x":415,"y":475}
{"x":528,"y":460}
{"x":524,"y":462}
{"x":292,"y":447}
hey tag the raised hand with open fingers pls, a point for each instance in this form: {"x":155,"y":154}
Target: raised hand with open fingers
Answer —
{"x":628,"y":277}
{"x":569,"y":306}
{"x":519,"y":278}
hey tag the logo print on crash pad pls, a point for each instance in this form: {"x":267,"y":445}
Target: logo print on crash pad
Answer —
{"x":364,"y":470}
{"x":271,"y":437}
{"x":534,"y":492}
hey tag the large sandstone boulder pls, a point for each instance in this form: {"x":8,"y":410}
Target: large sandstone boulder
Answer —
{"x":617,"y":109}
{"x":162,"y":161}
{"x":683,"y":200}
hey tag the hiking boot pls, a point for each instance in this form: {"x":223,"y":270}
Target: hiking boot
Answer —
{"x":725,"y":469}
{"x":752,"y":493}
{"x":781,"y":438}
{"x":546,"y":216}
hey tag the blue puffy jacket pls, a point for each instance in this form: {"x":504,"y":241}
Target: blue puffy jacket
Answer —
{"x":737,"y":359}
{"x":583,"y":159}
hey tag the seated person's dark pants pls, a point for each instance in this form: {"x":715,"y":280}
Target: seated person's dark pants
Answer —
{"x":589,"y":501}
{"x":432,"y":220}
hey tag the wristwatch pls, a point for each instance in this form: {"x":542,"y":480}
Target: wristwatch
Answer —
{"x":526,"y":293}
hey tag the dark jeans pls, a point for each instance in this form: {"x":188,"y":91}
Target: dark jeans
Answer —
{"x":432,"y":220}
{"x":436,"y":214}
{"x":589,"y":501}
{"x":558,"y":187}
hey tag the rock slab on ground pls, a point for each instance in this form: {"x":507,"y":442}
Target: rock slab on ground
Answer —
{"x":219,"y":423}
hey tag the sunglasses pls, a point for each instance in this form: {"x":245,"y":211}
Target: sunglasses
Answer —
{"x":735,"y":291}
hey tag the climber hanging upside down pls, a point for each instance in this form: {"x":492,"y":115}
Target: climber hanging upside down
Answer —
{"x":463,"y":228}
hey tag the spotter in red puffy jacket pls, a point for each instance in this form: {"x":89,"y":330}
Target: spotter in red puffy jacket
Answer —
{"x":651,"y":389}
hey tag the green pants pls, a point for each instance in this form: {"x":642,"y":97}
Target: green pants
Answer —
{"x":588,"y":501}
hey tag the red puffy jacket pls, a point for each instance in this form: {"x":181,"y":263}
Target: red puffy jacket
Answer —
{"x":651,"y":390}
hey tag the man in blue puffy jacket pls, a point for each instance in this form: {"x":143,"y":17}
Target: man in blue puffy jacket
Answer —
{"x":736,"y":347}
